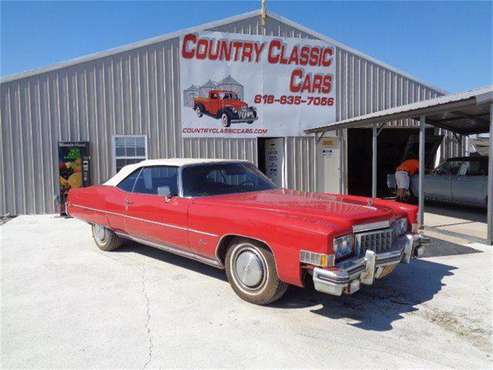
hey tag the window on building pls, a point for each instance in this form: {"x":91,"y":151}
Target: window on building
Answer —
{"x":128,"y":149}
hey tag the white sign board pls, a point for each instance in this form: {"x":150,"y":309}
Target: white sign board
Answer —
{"x":237,"y":85}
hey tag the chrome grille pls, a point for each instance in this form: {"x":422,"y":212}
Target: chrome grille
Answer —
{"x":378,"y":241}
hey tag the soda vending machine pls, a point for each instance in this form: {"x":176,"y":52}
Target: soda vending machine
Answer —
{"x":73,"y":168}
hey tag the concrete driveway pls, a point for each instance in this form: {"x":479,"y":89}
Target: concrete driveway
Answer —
{"x":457,"y":224}
{"x":65,"y":304}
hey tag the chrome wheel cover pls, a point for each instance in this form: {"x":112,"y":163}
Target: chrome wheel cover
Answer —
{"x":99,"y":233}
{"x":249,"y":268}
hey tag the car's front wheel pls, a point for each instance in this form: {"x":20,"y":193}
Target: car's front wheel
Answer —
{"x":225,"y":119}
{"x":251,"y":271}
{"x":105,"y":239}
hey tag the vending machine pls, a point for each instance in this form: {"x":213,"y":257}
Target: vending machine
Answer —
{"x":73,"y":168}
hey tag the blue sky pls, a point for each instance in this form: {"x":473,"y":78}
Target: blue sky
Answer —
{"x":447,"y":44}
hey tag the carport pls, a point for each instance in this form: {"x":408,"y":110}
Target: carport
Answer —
{"x":465,"y":113}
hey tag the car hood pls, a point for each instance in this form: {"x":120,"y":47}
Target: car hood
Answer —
{"x":239,"y":104}
{"x":335,"y":208}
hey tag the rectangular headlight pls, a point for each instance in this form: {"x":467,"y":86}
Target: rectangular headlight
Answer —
{"x":344,"y":246}
{"x":399,"y":226}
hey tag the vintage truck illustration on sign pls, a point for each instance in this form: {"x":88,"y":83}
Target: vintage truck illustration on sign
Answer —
{"x":226,"y":106}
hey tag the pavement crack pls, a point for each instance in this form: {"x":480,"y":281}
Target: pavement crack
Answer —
{"x":147,"y":319}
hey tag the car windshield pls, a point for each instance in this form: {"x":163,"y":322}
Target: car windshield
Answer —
{"x":461,"y":167}
{"x":223,"y":178}
{"x":229,"y":95}
{"x":450,"y":167}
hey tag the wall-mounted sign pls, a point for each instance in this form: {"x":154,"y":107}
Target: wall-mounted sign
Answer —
{"x":329,"y":142}
{"x":237,"y":85}
{"x":328,"y":146}
{"x":328,"y":152}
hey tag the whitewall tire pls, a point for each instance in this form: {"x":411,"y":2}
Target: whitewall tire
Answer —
{"x":251,"y":271}
{"x":105,"y":239}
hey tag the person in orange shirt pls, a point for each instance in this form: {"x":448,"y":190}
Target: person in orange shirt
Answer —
{"x":403,"y":175}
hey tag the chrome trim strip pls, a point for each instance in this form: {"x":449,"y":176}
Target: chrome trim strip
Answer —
{"x":148,"y":221}
{"x":174,"y":250}
{"x":240,"y":120}
{"x":392,"y":254}
{"x":335,"y":279}
{"x":371,"y":226}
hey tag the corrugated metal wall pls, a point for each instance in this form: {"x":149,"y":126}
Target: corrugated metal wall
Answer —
{"x":138,"y":92}
{"x":364,"y":87}
{"x":132,"y":93}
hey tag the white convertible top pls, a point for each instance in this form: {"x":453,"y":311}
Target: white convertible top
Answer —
{"x":178,"y":162}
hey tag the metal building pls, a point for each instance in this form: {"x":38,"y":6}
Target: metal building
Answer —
{"x":124,"y":93}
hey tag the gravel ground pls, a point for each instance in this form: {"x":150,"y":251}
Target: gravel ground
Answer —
{"x":67,"y":304}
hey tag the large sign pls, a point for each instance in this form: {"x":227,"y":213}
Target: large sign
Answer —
{"x":237,"y":85}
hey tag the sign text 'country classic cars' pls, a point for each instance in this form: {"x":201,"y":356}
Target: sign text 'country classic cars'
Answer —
{"x":281,"y":86}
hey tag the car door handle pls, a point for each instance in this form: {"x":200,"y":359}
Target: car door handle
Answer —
{"x":128,"y":202}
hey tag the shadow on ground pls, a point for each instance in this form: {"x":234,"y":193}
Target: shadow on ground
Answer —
{"x":166,"y":257}
{"x":439,"y":247}
{"x":373,"y":308}
{"x":471,"y":214}
{"x":376,"y":307}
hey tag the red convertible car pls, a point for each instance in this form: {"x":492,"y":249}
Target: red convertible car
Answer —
{"x":229,"y":215}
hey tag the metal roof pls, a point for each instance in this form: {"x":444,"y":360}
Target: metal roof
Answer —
{"x":203,"y":27}
{"x":464,"y":113}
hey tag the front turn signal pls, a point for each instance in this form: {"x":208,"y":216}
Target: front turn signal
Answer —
{"x":317,"y":259}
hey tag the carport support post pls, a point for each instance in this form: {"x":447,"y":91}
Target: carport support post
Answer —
{"x":490,"y":180}
{"x":421,"y":174}
{"x":374,"y":162}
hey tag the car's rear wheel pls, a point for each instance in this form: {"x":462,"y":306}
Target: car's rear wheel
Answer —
{"x":225,"y":119}
{"x":251,"y":271}
{"x":105,"y":239}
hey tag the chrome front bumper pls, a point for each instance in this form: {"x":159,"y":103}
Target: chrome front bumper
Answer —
{"x":349,"y":275}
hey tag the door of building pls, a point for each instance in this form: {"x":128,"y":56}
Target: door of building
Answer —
{"x":328,"y":165}
{"x":272,"y":160}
